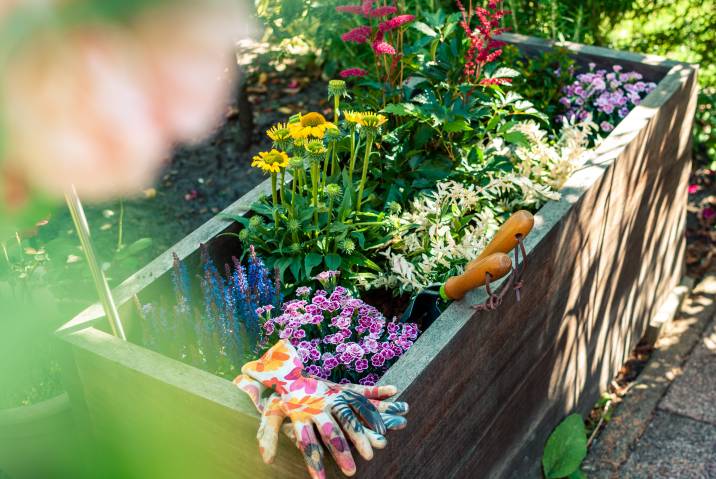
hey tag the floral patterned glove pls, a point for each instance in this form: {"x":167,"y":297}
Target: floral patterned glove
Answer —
{"x":309,"y":402}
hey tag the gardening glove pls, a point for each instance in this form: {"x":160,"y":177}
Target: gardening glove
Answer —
{"x":362,"y":436}
{"x":308,"y":401}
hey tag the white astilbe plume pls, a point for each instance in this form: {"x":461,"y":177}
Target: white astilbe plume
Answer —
{"x":437,"y":235}
{"x":551,"y":164}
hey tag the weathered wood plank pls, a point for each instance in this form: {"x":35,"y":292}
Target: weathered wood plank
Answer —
{"x":168,"y":419}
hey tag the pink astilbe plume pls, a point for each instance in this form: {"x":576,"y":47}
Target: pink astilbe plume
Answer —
{"x":382,"y":37}
{"x":381,"y":47}
{"x":483,"y":48}
{"x":357,"y":35}
{"x":353,"y":72}
{"x":395,"y":22}
{"x":367,"y":6}
{"x":383,"y":11}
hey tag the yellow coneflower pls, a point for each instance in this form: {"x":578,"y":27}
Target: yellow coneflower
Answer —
{"x":353,"y":117}
{"x":270,"y":161}
{"x":279,"y":133}
{"x":315,"y":150}
{"x":310,"y":125}
{"x":372,"y":121}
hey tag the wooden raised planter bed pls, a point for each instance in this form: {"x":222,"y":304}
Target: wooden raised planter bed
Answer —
{"x":485,"y":389}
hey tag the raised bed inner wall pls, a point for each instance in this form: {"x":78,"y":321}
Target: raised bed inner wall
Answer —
{"x":485,"y":389}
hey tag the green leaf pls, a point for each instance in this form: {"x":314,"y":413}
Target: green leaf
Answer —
{"x":423,"y":28}
{"x":311,"y":261}
{"x":517,"y":138}
{"x":282,"y":264}
{"x":566,"y":448}
{"x":457,"y":125}
{"x":238,"y":218}
{"x":262,"y":209}
{"x":493,"y":122}
{"x":577,"y":475}
{"x":422,"y":135}
{"x":296,"y":267}
{"x":370,"y":264}
{"x":505,"y":72}
{"x":333,"y":261}
{"x":400,"y":109}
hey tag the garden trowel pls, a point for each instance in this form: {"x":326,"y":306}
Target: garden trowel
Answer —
{"x":424,"y":307}
{"x":516,"y":228}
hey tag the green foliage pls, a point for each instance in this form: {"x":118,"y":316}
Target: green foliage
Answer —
{"x":682,"y":30}
{"x":314,"y":24}
{"x":565,"y":450}
{"x":581,"y":21}
{"x":542,"y":77}
{"x":705,"y":128}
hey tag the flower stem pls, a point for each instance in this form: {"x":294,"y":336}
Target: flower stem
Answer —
{"x":296,"y":178}
{"x":326,"y":160}
{"x":352,"y":165}
{"x":315,"y":170}
{"x":334,"y":159}
{"x":336,"y":108}
{"x":364,"y":175}
{"x":283,"y":182}
{"x":274,"y":196}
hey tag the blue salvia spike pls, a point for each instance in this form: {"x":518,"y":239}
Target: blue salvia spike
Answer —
{"x":227,"y":324}
{"x":206,"y":287}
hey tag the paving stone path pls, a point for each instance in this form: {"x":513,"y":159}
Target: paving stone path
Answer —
{"x":665,"y":428}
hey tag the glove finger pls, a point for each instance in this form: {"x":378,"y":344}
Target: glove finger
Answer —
{"x":378,"y":441}
{"x":399,"y":408}
{"x":251,"y":387}
{"x":394,"y":422}
{"x":365,"y":409}
{"x":271,"y":420}
{"x":311,"y":449}
{"x":353,"y":428}
{"x":336,"y":442}
{"x":371,"y":392}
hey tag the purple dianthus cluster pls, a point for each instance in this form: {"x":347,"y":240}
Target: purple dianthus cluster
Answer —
{"x":604,"y":96}
{"x":338,"y":337}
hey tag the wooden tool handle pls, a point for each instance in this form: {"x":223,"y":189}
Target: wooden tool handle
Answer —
{"x":498,"y":265}
{"x":520,"y":223}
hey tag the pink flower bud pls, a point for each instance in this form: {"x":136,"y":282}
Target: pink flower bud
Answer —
{"x":381,"y":47}
{"x":353,"y":72}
